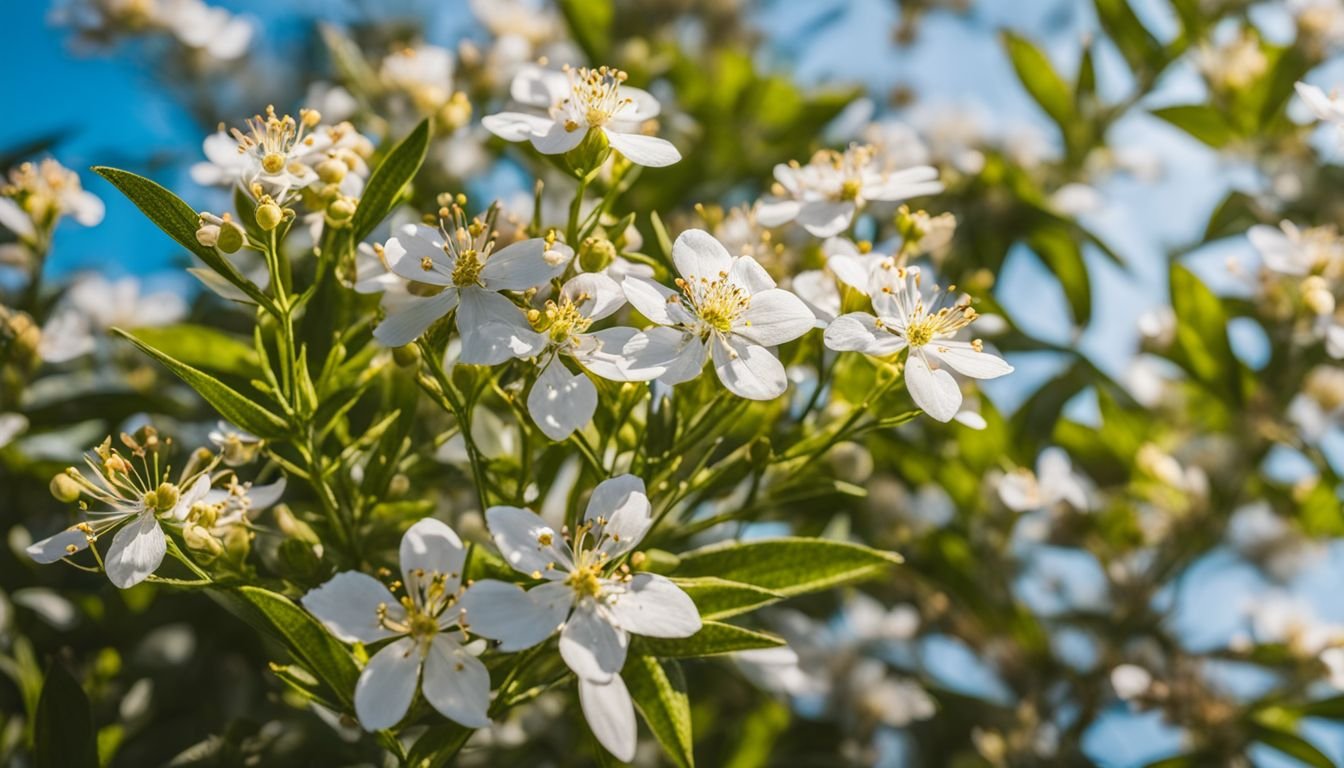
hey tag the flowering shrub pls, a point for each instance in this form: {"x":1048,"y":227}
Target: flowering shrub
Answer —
{"x":452,"y":471}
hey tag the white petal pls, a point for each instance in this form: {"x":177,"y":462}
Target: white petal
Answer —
{"x":650,"y":298}
{"x":596,"y":295}
{"x":824,"y":218}
{"x":858,"y":332}
{"x":962,"y":358}
{"x":407,"y":253}
{"x":591,"y":645}
{"x":643,"y":105}
{"x":648,"y":151}
{"x":698,"y":254}
{"x":526,"y":541}
{"x":934,"y":391}
{"x":911,"y":182}
{"x":518,"y":619}
{"x":748,"y":273}
{"x":15,"y":219}
{"x":412,"y":316}
{"x":88,"y":210}
{"x":188,"y":498}
{"x":611,"y":716}
{"x":493,"y":329}
{"x":561,"y":402}
{"x":387,"y":685}
{"x":603,"y":353}
{"x":851,"y":270}
{"x":136,"y":551}
{"x":557,"y":140}
{"x":678,"y":354}
{"x":456,"y":683}
{"x":53,"y":548}
{"x":347,"y":604}
{"x":517,"y":126}
{"x":775,"y":211}
{"x":818,"y":291}
{"x":774,"y":317}
{"x":221,"y":149}
{"x":621,"y":502}
{"x":539,"y":87}
{"x":263,"y":496}
{"x":749,"y":370}
{"x":431,"y":547}
{"x":519,"y":266}
{"x":653,"y":606}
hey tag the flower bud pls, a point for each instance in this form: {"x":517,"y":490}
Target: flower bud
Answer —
{"x":65,"y":489}
{"x":292,"y":527}
{"x":269,"y":215}
{"x":456,"y":113}
{"x":596,"y":254}
{"x":1317,"y":296}
{"x":332,"y":170}
{"x":340,"y":210}
{"x":407,"y":356}
{"x":201,"y":542}
{"x":166,"y":496}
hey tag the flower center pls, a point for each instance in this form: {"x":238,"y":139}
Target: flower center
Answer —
{"x":718,"y":303}
{"x":595,"y":95}
{"x":849,"y":190}
{"x":468,"y":269}
{"x":564,"y":320}
{"x":586,"y":581}
{"x":274,"y":137}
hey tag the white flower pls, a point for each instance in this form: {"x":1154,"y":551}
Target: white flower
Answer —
{"x":459,"y":259}
{"x":283,"y":155}
{"x":12,"y":425}
{"x":220,"y":34}
{"x":846,"y":265}
{"x":907,"y":319}
{"x":824,"y":195}
{"x":1054,"y":482}
{"x":37,"y":195}
{"x":727,"y":307}
{"x":93,"y":303}
{"x":578,"y":100}
{"x":357,"y":608}
{"x":1297,"y":252}
{"x":236,"y":446}
{"x":1130,"y":681}
{"x":425,"y":73}
{"x":560,"y":401}
{"x":596,"y":604}
{"x":1327,"y":107}
{"x":134,"y":506}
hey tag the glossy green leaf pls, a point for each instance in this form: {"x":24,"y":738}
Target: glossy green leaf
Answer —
{"x":590,"y":22}
{"x":1141,"y":50}
{"x":720,"y":598}
{"x":388,"y":179}
{"x":1200,"y":121}
{"x":63,"y":733}
{"x":788,"y":566}
{"x":1062,"y":255}
{"x":438,"y":746}
{"x":1292,"y":745}
{"x":659,"y":692}
{"x":233,"y":406}
{"x":712,"y":639}
{"x":1202,"y":345}
{"x":1040,"y":79}
{"x":203,"y":347}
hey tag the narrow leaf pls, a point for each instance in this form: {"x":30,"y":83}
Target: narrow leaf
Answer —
{"x":713,"y":638}
{"x":1293,"y":745}
{"x":232,"y":405}
{"x":1200,"y":121}
{"x":388,"y":179}
{"x":203,"y":347}
{"x":63,"y":734}
{"x":1040,"y":79}
{"x":438,"y":746}
{"x":720,"y":598}
{"x":788,"y":566}
{"x":659,"y":691}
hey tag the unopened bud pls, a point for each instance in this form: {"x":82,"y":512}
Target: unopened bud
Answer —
{"x":341,"y":209}
{"x":269,"y":215}
{"x":332,"y":170}
{"x":596,"y":254}
{"x":202,"y":542}
{"x":1317,"y":296}
{"x":407,"y":356}
{"x":456,"y":113}
{"x":166,"y":496}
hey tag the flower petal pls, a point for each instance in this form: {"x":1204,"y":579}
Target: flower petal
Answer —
{"x":611,"y":716}
{"x":557,"y":140}
{"x":596,"y":295}
{"x":520,"y":266}
{"x":774,"y":317}
{"x":539,"y":87}
{"x":561,"y":402}
{"x":415,"y":246}
{"x":824,"y":218}
{"x":518,"y":619}
{"x":526,"y":541}
{"x":650,"y":298}
{"x":858,"y":332}
{"x":387,"y":685}
{"x":699,"y":254}
{"x":933,"y":390}
{"x":648,"y":151}
{"x":456,"y":683}
{"x":591,"y":645}
{"x":964,"y":359}
{"x":749,"y":370}
{"x":623,"y":505}
{"x":53,"y":548}
{"x":655,"y":607}
{"x":136,"y":551}
{"x":348,"y":605}
{"x":430,"y":547}
{"x":412,"y":316}
{"x":517,"y":126}
{"x":603,"y":353}
{"x":493,"y":329}
{"x":776,"y":211}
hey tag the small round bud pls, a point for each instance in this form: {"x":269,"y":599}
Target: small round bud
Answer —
{"x":332,"y":170}
{"x":596,"y":254}
{"x":208,"y":235}
{"x":407,"y":356}
{"x":341,"y":209}
{"x":64,"y":488}
{"x":269,"y":215}
{"x":230,"y":237}
{"x":456,"y":113}
{"x":166,"y":496}
{"x":202,"y":542}
{"x":399,"y":486}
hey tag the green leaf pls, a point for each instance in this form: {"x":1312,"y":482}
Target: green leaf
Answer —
{"x":1292,"y":745}
{"x":1202,"y":345}
{"x":439,"y":745}
{"x":1040,"y":79}
{"x":789,"y":566}
{"x":1200,"y":121}
{"x":203,"y":347}
{"x":590,"y":22}
{"x":388,"y":179}
{"x":63,"y":734}
{"x":720,"y":598}
{"x":179,"y":221}
{"x":713,"y":638}
{"x":1236,"y":213}
{"x":659,"y":691}
{"x":307,"y":640}
{"x":1063,"y":256}
{"x":1141,"y":50}
{"x":757,"y":735}
{"x":232,"y":405}
{"x":1330,"y":709}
